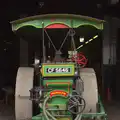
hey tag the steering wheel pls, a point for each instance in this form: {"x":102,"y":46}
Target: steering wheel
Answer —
{"x":80,"y":59}
{"x":76,"y":104}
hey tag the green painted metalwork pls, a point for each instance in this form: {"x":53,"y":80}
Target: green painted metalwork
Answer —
{"x":57,"y":102}
{"x":52,"y":70}
{"x":101,"y":114}
{"x":60,"y":84}
{"x":70,"y":20}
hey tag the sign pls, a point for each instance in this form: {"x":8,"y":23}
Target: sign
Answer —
{"x":58,"y":92}
{"x":58,"y":70}
{"x":53,"y":70}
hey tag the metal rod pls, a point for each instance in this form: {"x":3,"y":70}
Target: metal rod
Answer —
{"x":74,"y":46}
{"x":43,"y":45}
{"x":50,"y":40}
{"x":23,"y":97}
{"x":64,"y":41}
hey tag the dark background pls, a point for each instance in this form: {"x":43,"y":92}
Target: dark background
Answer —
{"x":14,"y":9}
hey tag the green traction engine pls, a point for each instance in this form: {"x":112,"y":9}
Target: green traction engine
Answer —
{"x":58,"y":98}
{"x":66,"y":90}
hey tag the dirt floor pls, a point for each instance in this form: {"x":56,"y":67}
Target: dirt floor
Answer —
{"x":113,"y":111}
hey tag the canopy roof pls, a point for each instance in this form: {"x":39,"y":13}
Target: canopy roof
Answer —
{"x":68,"y":20}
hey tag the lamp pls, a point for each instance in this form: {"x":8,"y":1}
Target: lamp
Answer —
{"x":81,"y":39}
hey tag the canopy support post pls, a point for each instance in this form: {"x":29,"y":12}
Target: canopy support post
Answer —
{"x":43,"y":45}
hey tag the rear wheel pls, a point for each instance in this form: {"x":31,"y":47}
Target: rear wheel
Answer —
{"x":90,"y":93}
{"x":24,"y":82}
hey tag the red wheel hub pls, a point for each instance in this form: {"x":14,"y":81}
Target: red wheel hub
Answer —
{"x":80,"y":59}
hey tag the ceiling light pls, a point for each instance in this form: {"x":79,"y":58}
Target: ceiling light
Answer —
{"x":81,"y":39}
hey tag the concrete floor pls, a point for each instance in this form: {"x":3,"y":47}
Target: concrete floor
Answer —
{"x":6,"y":112}
{"x":113,"y":111}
